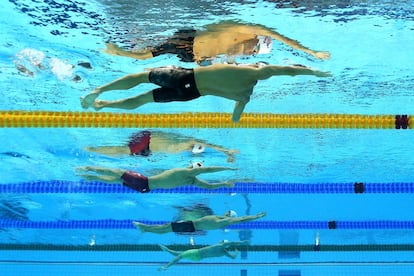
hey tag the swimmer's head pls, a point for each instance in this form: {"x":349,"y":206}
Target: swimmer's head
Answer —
{"x":194,"y":165}
{"x":198,"y":148}
{"x":264,"y":45}
{"x":231,"y":214}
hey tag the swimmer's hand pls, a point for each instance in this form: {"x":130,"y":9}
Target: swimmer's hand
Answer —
{"x":227,"y":184}
{"x":261,"y":214}
{"x":322,"y":55}
{"x":322,"y":74}
{"x":230,"y":155}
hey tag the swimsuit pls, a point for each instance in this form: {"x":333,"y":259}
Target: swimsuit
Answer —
{"x":183,"y":226}
{"x":139,"y":143}
{"x":177,"y":84}
{"x":192,"y":254}
{"x":180,"y":44}
{"x":135,"y":181}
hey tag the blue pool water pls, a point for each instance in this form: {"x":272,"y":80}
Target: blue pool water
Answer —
{"x":44,"y":47}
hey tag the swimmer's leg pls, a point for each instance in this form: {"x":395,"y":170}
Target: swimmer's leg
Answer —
{"x":110,"y":150}
{"x":173,"y":252}
{"x":232,"y":256}
{"x":129,"y":103}
{"x":158,"y":229}
{"x":174,"y":261}
{"x":102,"y":174}
{"x":104,"y":178}
{"x":123,"y":83}
{"x":115,"y":50}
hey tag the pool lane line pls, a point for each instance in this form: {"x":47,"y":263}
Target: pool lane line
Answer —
{"x":258,"y":225}
{"x":96,"y":187}
{"x":183,"y":247}
{"x":70,"y":119}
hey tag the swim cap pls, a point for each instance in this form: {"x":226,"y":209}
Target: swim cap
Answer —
{"x":195,"y":165}
{"x":198,"y":148}
{"x":231,"y":214}
{"x":264,"y":45}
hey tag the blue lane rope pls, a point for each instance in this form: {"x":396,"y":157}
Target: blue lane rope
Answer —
{"x":264,"y":225}
{"x":64,"y":186}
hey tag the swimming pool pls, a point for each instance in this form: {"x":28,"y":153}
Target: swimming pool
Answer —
{"x":338,"y":197}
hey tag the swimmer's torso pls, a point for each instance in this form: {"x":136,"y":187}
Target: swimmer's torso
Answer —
{"x":211,"y":44}
{"x":228,"y":81}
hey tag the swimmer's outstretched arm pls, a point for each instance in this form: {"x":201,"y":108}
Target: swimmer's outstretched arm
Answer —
{"x":207,"y":185}
{"x":263,"y":30}
{"x":247,"y":218}
{"x":211,"y":169}
{"x":295,"y":44}
{"x":268,"y":71}
{"x":238,"y":110}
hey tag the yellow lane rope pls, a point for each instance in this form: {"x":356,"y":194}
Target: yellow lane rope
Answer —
{"x":57,"y":119}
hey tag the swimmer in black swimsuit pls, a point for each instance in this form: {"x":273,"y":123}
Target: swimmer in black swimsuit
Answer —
{"x":210,"y":222}
{"x":223,"y":38}
{"x":166,"y":180}
{"x":178,"y":84}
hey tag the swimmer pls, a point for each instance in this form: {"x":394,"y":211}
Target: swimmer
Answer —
{"x":210,"y":222}
{"x":144,"y":142}
{"x":179,"y":84}
{"x":168,"y":179}
{"x":223,"y":38}
{"x":217,"y":250}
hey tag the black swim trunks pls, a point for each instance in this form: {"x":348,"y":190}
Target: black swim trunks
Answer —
{"x":180,"y":44}
{"x":177,"y":84}
{"x":183,"y":226}
{"x":135,"y":181}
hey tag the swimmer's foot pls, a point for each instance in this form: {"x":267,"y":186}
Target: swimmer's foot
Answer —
{"x":113,"y":49}
{"x":99,"y":104}
{"x":139,"y":226}
{"x":89,"y":99}
{"x":229,"y":184}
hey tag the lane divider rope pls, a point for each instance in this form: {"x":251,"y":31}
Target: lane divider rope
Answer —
{"x":261,"y":225}
{"x":64,"y":186}
{"x":183,"y":247}
{"x":60,"y":119}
